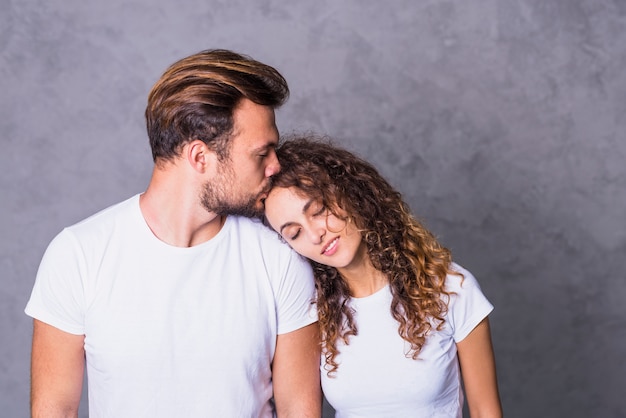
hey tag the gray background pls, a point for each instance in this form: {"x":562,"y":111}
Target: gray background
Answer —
{"x":500,"y":121}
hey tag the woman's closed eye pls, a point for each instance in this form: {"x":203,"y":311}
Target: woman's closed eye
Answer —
{"x":291,"y":234}
{"x":318,"y":211}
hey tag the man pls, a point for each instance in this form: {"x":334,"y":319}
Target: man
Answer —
{"x":178,"y":306}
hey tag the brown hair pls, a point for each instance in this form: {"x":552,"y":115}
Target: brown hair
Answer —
{"x":196,"y":96}
{"x":414,"y":262}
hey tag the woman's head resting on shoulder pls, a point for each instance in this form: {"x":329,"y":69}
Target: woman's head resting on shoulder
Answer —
{"x":334,"y":208}
{"x":320,"y":200}
{"x":322,"y":235}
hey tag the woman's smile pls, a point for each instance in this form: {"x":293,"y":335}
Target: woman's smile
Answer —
{"x":331,"y":248}
{"x":311,"y":229}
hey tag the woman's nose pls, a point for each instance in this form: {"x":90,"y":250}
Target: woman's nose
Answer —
{"x":317,"y":235}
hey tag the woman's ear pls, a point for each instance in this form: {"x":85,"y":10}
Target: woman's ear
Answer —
{"x":199,"y":156}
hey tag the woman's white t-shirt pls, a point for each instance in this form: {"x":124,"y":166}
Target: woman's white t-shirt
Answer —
{"x":375,"y":378}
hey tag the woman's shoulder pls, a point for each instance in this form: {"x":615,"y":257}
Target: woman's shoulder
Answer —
{"x":459,"y":278}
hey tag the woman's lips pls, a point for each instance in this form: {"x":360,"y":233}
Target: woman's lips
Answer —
{"x":331,"y":247}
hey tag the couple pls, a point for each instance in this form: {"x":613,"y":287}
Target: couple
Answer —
{"x":179,"y":304}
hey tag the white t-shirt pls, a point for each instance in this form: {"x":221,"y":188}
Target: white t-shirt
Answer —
{"x":376,"y":379}
{"x":169,"y":331}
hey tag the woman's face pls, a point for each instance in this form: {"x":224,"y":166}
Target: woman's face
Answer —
{"x":311,"y":229}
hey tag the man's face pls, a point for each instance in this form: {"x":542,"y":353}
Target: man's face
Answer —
{"x":243,"y":179}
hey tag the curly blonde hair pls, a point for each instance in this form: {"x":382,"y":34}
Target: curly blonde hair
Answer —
{"x":412,"y":259}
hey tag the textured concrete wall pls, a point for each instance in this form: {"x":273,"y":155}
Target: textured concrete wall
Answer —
{"x":502,"y":122}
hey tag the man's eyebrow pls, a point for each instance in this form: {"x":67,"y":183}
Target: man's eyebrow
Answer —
{"x":306,"y":207}
{"x":265,"y":147}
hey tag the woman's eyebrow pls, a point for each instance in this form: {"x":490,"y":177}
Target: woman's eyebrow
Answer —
{"x":283,"y":226}
{"x":307,"y":205}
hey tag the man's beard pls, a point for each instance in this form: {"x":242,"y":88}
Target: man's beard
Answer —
{"x":217,"y":198}
{"x":215,"y":202}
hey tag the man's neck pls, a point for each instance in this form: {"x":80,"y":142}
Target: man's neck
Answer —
{"x":174,"y":214}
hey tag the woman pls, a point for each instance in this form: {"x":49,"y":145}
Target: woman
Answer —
{"x":397,"y":316}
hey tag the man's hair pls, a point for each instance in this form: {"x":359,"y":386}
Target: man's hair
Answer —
{"x":196,"y":96}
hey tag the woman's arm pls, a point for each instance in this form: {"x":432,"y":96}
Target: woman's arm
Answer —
{"x":478,"y":368}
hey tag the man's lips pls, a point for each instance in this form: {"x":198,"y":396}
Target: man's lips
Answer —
{"x":263,"y":195}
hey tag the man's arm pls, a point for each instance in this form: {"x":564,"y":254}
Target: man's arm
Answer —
{"x":296,"y":373}
{"x":478,"y":369}
{"x":57,"y":366}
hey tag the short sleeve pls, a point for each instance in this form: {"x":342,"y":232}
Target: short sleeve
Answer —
{"x":295,"y":295}
{"x":57,"y":297}
{"x":468,"y":305}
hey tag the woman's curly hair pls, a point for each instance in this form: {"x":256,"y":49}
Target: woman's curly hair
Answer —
{"x":415,"y":264}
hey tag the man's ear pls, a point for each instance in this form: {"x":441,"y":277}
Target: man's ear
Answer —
{"x":199,"y":156}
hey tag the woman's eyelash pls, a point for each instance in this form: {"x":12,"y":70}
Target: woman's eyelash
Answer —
{"x":321,"y":211}
{"x":294,"y":236}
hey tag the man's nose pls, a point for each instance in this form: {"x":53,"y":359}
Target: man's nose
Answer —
{"x":273,"y":167}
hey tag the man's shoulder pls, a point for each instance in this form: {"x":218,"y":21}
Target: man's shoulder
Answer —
{"x":93,"y":235}
{"x":105,"y":218}
{"x":255,"y":227}
{"x":254,"y":236}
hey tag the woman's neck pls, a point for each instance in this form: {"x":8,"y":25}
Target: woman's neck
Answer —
{"x":362,"y":277}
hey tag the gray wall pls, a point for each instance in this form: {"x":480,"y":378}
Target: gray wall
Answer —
{"x":502,"y":122}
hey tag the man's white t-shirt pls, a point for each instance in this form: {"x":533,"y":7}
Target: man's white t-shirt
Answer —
{"x":170,"y":331}
{"x":376,"y":379}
